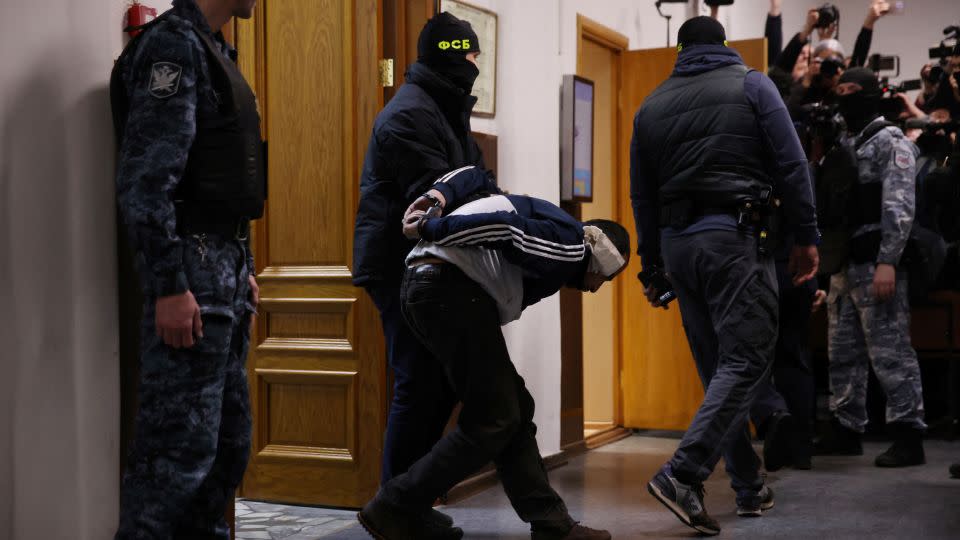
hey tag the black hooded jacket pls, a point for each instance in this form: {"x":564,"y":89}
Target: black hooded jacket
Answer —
{"x":423,"y":133}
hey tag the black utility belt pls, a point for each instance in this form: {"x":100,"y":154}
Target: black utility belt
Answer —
{"x":756,"y":215}
{"x":681,"y":214}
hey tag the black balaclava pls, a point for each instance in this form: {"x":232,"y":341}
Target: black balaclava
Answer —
{"x":443,"y":46}
{"x":701,"y":31}
{"x":862,"y":107}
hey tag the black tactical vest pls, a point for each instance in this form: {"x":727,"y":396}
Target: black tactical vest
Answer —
{"x":225,"y":176}
{"x":703,"y":136}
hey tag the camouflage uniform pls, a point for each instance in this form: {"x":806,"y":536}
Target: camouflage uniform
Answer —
{"x":193,"y":425}
{"x":863,"y":329}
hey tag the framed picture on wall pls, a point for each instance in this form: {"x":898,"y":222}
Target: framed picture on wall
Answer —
{"x":576,"y":139}
{"x":484,"y":23}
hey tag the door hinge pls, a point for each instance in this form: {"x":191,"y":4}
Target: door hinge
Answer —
{"x":386,"y":72}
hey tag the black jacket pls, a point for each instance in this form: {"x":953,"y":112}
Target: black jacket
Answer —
{"x":423,"y":133}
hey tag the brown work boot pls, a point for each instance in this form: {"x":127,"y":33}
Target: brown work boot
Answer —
{"x":578,"y":532}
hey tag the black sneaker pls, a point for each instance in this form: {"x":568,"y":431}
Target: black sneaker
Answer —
{"x":955,"y":470}
{"x":779,"y":440}
{"x":838,"y":441}
{"x":907,"y":449}
{"x":685,"y":501}
{"x":753,"y":504}
{"x":386,"y":521}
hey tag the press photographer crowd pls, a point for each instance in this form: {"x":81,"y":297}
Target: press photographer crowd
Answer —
{"x":886,"y":172}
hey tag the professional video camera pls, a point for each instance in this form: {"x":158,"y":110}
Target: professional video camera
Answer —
{"x":933,"y":127}
{"x":944,"y":51}
{"x":820,"y":129}
{"x":890,"y":105}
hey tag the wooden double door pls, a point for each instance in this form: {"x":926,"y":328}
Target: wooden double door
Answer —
{"x":316,"y":365}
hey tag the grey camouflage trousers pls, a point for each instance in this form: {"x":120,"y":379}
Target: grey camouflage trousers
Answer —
{"x":865,"y":332}
{"x":192,"y":439}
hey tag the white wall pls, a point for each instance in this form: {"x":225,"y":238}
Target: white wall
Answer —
{"x":59,"y":390}
{"x":908,"y":35}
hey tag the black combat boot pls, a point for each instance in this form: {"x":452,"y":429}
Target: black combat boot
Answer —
{"x":838,"y":441}
{"x":803,"y":448}
{"x":779,"y":440}
{"x":907,"y":448}
{"x":955,"y":470}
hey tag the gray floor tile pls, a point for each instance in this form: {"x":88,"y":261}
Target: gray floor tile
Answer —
{"x":841,"y":498}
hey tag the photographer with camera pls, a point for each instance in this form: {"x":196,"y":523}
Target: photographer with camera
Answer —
{"x":941,"y":81}
{"x":703,"y":182}
{"x":950,"y":79}
{"x":825,"y":20}
{"x":930,"y":77}
{"x":868,"y":306}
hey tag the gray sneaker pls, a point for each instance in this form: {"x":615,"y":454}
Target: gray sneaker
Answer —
{"x":685,"y":501}
{"x":754,"y":504}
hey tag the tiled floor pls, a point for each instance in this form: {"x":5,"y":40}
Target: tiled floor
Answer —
{"x":841,"y":498}
{"x":263,"y":521}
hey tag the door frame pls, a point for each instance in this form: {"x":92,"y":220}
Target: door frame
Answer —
{"x":572,"y":381}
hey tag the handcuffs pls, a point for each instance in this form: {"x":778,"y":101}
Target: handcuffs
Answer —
{"x":434,"y":211}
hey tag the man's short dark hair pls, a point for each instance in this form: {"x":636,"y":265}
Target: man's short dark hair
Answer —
{"x":615,"y":232}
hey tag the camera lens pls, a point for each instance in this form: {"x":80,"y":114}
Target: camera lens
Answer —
{"x":828,"y":15}
{"x":936,"y":73}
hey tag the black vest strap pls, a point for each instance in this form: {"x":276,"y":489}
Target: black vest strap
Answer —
{"x":869,"y":197}
{"x":226,"y":171}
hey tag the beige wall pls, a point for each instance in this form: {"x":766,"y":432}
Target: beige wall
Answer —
{"x":59,"y":388}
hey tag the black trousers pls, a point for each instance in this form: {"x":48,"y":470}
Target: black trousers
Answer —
{"x":422,"y":398}
{"x":728,"y":302}
{"x":792,"y":385}
{"x":459,"y":323}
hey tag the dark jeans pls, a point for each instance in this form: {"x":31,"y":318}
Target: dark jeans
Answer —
{"x":792,"y":387}
{"x":422,"y":398}
{"x":459,"y":323}
{"x":728,"y":301}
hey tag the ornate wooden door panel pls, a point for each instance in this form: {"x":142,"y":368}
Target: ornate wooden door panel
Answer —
{"x":316,"y":370}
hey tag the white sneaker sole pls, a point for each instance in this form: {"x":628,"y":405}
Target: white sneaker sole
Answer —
{"x":756,"y":513}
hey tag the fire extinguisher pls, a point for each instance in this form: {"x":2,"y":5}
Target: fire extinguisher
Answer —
{"x":137,"y":16}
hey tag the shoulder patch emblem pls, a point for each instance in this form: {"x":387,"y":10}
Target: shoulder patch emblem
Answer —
{"x":903,"y":159}
{"x":165,"y":79}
